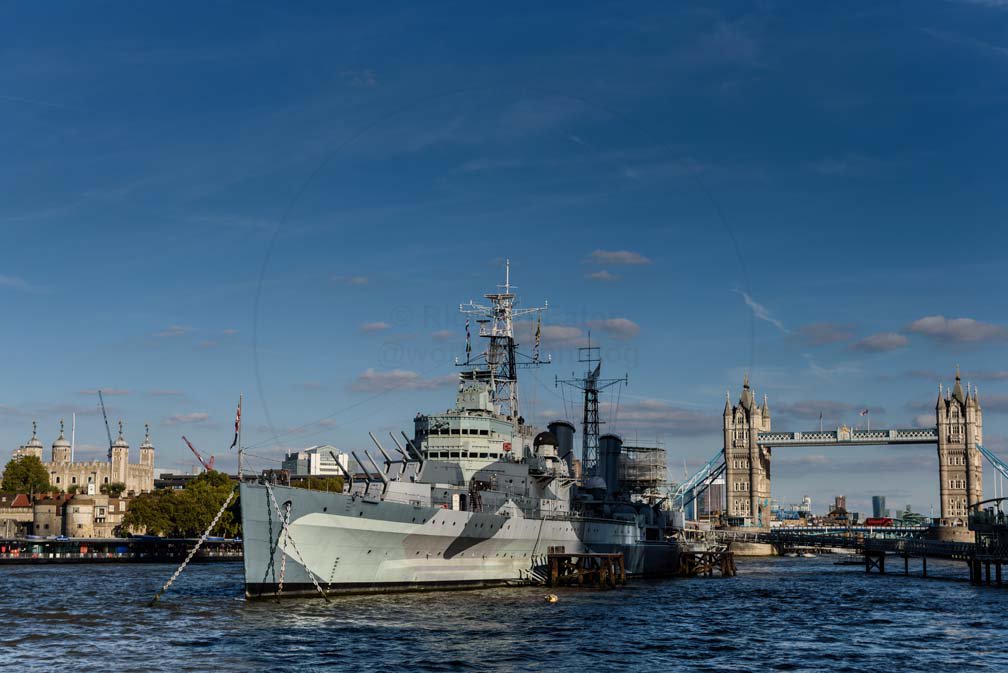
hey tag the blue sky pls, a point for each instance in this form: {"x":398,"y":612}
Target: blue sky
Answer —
{"x":293,"y":202}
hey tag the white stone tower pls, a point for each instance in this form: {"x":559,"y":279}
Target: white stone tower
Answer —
{"x":120,"y":458}
{"x":147,"y":449}
{"x":61,"y":448}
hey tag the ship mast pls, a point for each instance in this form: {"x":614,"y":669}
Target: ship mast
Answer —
{"x":590,"y":385}
{"x":498,"y":365}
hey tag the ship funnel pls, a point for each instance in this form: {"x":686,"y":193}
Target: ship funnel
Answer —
{"x":610,"y":448}
{"x":564,"y":433}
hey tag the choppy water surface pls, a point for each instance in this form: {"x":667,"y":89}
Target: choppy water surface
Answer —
{"x":778,"y":614}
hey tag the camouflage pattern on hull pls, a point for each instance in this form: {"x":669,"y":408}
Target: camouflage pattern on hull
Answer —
{"x":353,"y":543}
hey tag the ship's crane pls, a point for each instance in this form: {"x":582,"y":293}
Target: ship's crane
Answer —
{"x":207,"y":465}
{"x":101,"y":400}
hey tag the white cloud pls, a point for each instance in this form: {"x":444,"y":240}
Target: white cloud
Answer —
{"x":375,"y":326}
{"x":562,"y":335}
{"x":191,"y":418}
{"x":619,"y":257}
{"x":881,"y":343}
{"x":398,"y":379}
{"x":618,"y":328}
{"x":602,"y":275}
{"x":957,"y":330}
{"x":444,"y":335}
{"x":174,"y":331}
{"x":761,"y":312}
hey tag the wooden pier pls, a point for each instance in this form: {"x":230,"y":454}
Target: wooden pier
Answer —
{"x":594,"y":570}
{"x":707,"y":562}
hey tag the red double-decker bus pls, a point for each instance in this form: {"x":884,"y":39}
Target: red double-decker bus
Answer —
{"x":878,"y":522}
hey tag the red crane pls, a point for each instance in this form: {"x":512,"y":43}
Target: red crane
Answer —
{"x":207,"y":465}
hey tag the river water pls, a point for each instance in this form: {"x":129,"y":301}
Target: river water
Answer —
{"x":789,"y":614}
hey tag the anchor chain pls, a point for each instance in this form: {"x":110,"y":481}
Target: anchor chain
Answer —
{"x":192,"y":552}
{"x":290,"y":538}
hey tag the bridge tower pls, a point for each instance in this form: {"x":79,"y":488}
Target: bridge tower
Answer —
{"x":747,"y":464}
{"x":960,"y":468}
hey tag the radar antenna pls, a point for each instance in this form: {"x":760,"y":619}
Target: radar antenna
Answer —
{"x":591,"y":385}
{"x":498,"y":365}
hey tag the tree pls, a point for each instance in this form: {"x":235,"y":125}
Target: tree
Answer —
{"x":26,"y":474}
{"x":188,"y":512}
{"x":114,"y":490}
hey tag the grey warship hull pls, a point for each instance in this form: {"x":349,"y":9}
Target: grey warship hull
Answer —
{"x":348,"y":543}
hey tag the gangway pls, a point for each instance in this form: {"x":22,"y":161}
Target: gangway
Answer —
{"x":698,"y":483}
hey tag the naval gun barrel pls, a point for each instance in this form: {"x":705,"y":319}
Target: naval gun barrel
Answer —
{"x":388,"y":458}
{"x":346,"y":472}
{"x":400,"y":449}
{"x":381,"y":475}
{"x":410,"y":444}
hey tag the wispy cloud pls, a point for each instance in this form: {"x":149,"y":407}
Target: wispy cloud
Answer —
{"x":353,"y":280}
{"x":398,"y":379}
{"x":16,"y":283}
{"x":375,"y":326}
{"x":958,"y":330}
{"x":619,"y":257}
{"x":761,"y":312}
{"x":618,"y":328}
{"x":174,"y":331}
{"x":602,"y":275}
{"x":881,"y":343}
{"x":159,"y":392}
{"x":186,"y":419}
{"x":562,"y":335}
{"x":823,"y":333}
{"x":364,"y":79}
{"x":444,"y":335}
{"x":229,"y":332}
{"x":662,"y":418}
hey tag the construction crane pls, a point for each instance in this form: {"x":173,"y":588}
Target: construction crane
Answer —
{"x":101,"y":400}
{"x":207,"y":465}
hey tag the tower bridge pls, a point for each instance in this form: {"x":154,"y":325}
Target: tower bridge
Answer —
{"x":749,"y":440}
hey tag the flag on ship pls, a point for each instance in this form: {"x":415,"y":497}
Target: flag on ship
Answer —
{"x":237,"y":425}
{"x":864,"y":412}
{"x":468,"y":342}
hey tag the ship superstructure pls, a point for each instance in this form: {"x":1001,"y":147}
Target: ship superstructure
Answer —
{"x":475,"y":497}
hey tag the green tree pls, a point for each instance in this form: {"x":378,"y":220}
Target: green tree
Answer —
{"x":188,"y":512}
{"x":114,"y":489}
{"x":26,"y":474}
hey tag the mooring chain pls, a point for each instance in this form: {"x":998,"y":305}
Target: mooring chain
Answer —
{"x":290,"y":538}
{"x":192,"y":552}
{"x":283,"y":552}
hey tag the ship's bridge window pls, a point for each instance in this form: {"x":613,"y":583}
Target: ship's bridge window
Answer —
{"x":453,"y":454}
{"x":484,"y":432}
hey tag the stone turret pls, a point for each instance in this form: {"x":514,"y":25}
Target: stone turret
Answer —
{"x":120,"y":457}
{"x":33,"y":447}
{"x":61,"y":448}
{"x":147,"y":448}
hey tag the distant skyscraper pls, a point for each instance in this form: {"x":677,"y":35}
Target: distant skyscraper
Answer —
{"x":878,"y":506}
{"x":840,"y":503}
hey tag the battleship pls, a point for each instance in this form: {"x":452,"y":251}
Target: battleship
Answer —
{"x":476,"y":497}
